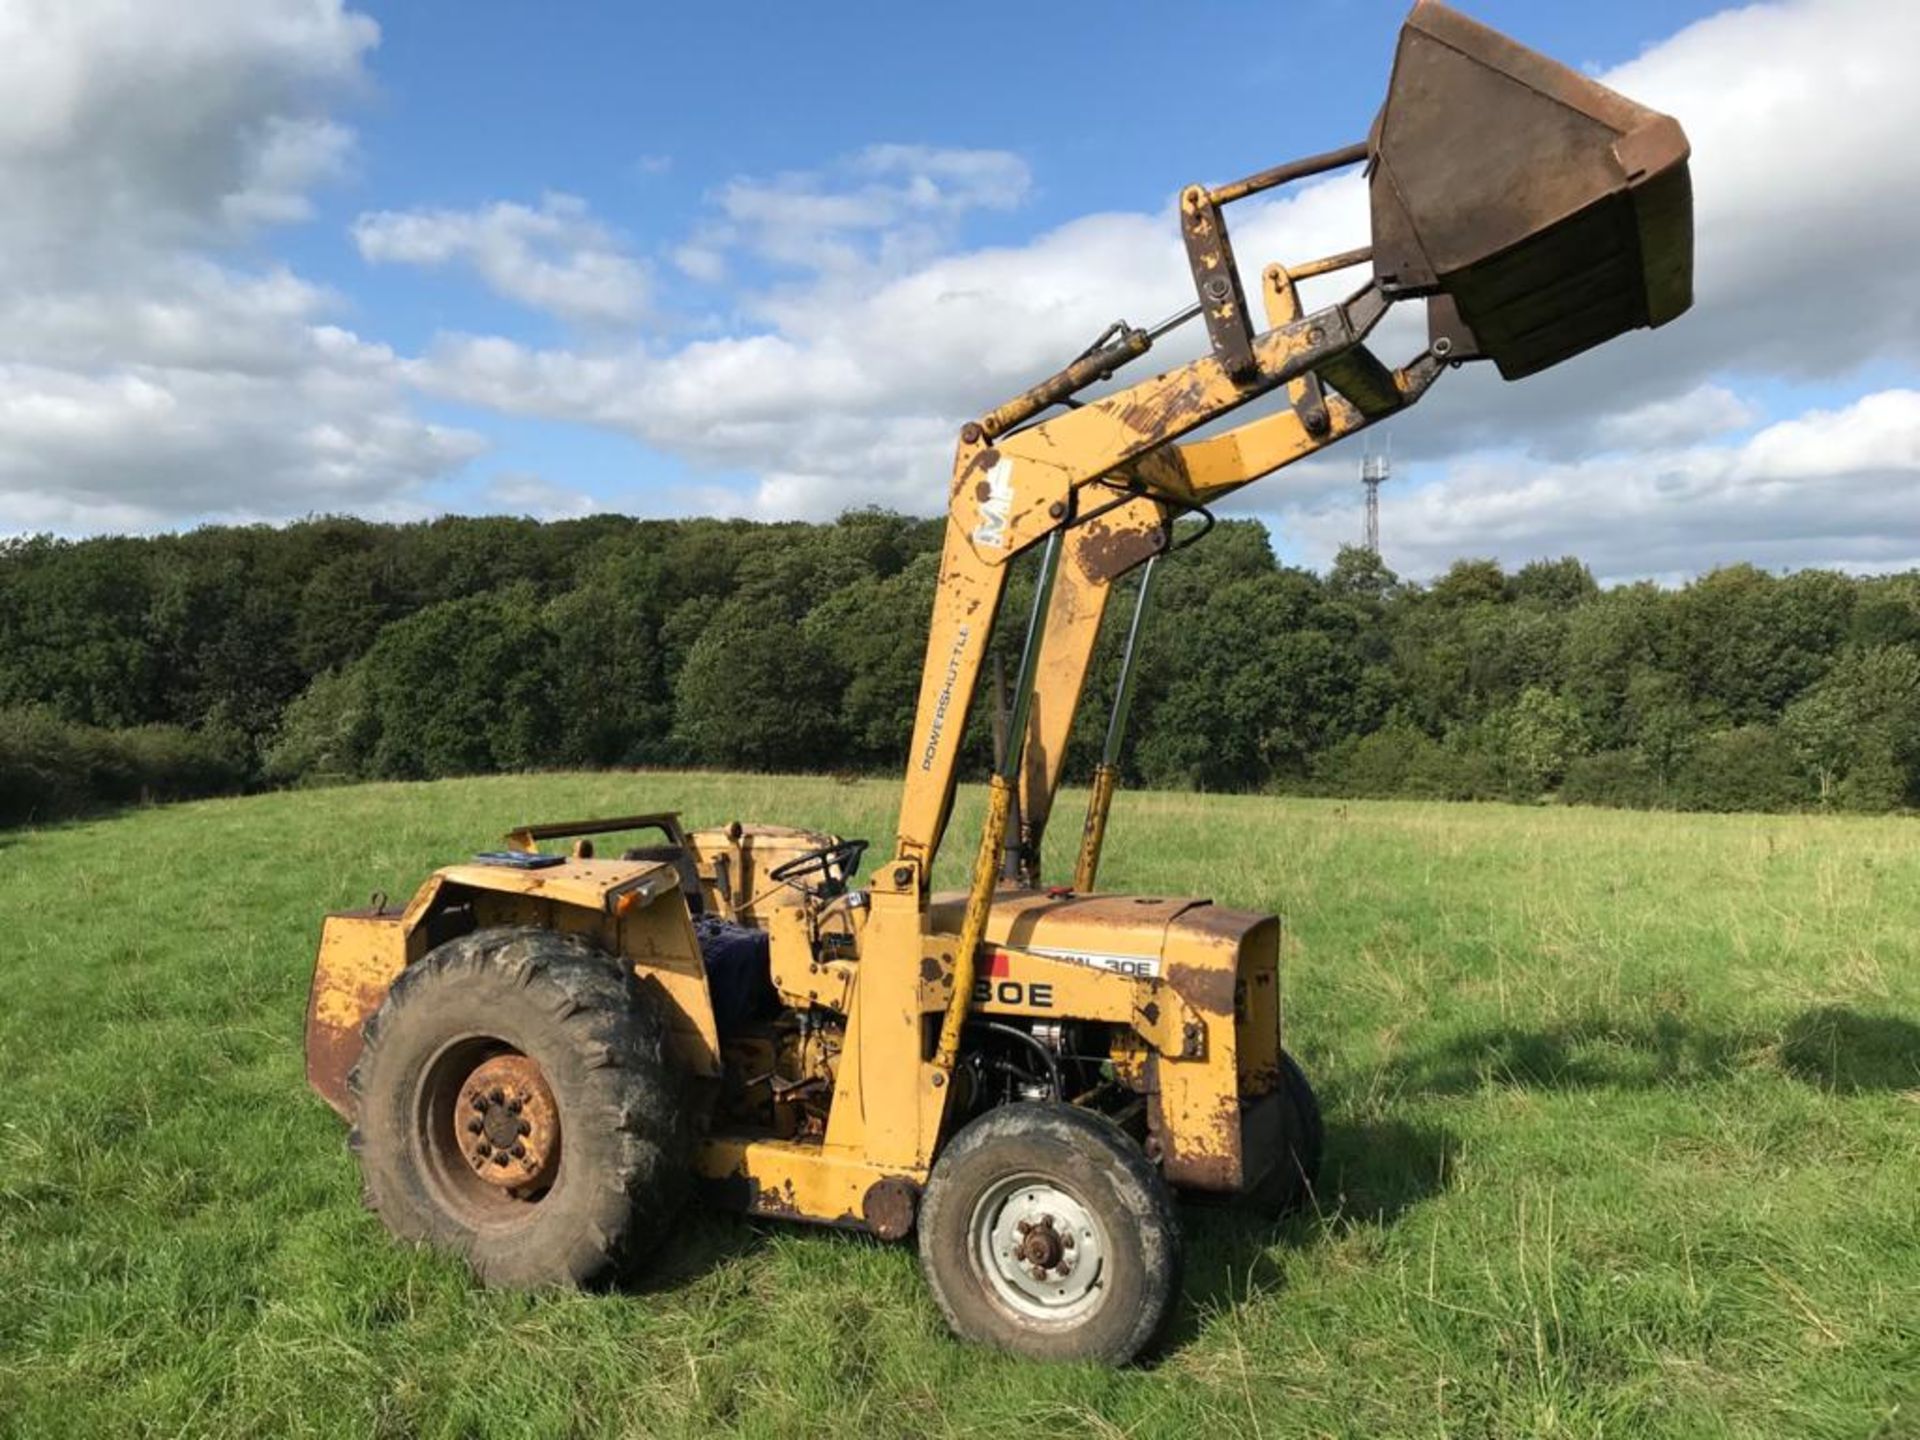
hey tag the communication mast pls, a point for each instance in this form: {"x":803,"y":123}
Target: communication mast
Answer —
{"x":1375,"y":470}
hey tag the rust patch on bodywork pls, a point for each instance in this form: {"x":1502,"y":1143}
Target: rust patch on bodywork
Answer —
{"x":1198,"y":1132}
{"x":776,"y":1200}
{"x":360,"y":954}
{"x":1169,"y":409}
{"x":1108,"y":547}
{"x":1205,"y":987}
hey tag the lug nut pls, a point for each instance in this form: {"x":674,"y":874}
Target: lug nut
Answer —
{"x":483,"y":1149}
{"x":479,"y":1102}
{"x":514,"y":1105}
{"x":519,"y":1151}
{"x":474,"y":1127}
{"x":499,"y":1096}
{"x":1024,"y":1226}
{"x":526,"y":1127}
{"x":1066,"y":1241}
{"x":500,"y":1158}
{"x":1039,"y":1272}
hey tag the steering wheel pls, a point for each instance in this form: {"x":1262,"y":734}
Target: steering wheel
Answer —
{"x":833,"y":865}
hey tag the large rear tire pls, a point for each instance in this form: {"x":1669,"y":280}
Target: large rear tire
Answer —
{"x":1045,"y":1231}
{"x":515,"y":1105}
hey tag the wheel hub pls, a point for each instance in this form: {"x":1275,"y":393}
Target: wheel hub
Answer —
{"x":1040,"y":1248}
{"x":1044,"y":1247}
{"x":507,"y":1125}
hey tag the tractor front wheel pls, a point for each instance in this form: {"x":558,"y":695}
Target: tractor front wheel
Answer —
{"x":515,"y":1105}
{"x":1044,"y":1230}
{"x":1290,"y":1185}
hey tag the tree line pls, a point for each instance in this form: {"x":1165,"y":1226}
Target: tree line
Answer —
{"x":338,"y":649}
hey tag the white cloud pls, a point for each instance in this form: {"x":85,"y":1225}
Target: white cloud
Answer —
{"x":1702,"y":413}
{"x":887,"y":205}
{"x":556,"y":258}
{"x":146,"y":378}
{"x":702,"y":262}
{"x":136,"y":447}
{"x":852,"y":386}
{"x":522,"y":492}
{"x":140,"y":141}
{"x":126,"y":124}
{"x":1832,"y":487}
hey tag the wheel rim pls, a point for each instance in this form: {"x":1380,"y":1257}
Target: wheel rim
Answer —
{"x":507,"y":1125}
{"x":1041,"y":1251}
{"x":489,"y":1131}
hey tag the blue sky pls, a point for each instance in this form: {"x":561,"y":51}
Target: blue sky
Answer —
{"x":271,"y":257}
{"x":646,"y":110}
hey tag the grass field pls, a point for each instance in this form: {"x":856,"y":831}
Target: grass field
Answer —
{"x":1624,"y":1139}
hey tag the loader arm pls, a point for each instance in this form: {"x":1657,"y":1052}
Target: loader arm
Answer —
{"x":1015,"y":488}
{"x":1109,"y":548}
{"x":1535,"y":213}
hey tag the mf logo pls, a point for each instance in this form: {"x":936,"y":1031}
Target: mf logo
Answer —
{"x":997,"y":509}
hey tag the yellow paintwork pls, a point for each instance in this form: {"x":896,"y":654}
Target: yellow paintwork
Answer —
{"x":1195,"y":987}
{"x":891,"y":1085}
{"x":1093,"y":835}
{"x":1095,"y":556}
{"x":627,"y":907}
{"x":795,"y":1179}
{"x":749,"y":851}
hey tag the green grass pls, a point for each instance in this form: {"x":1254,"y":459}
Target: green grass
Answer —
{"x":1623,"y":1140}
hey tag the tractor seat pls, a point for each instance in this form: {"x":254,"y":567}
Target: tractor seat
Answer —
{"x":739,"y":965}
{"x":738,"y":958}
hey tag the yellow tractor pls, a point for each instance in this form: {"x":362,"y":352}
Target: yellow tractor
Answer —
{"x":543,"y":1052}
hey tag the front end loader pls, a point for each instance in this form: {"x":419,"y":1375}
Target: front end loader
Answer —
{"x":546,"y":1048}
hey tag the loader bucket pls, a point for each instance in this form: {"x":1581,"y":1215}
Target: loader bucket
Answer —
{"x":1553,"y":212}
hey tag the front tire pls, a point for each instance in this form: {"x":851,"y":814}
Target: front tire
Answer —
{"x":1291,"y":1184}
{"x":1045,"y":1231}
{"x":515,"y":1105}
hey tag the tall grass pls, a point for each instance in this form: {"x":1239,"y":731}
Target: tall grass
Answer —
{"x":1623,"y":1140}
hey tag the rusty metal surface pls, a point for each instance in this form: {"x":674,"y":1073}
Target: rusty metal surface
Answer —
{"x":507,"y":1125}
{"x":1223,"y":304}
{"x":586,"y":884}
{"x":1286,"y":174}
{"x":1196,"y":1094}
{"x":1034,"y":919}
{"x":889,"y":1207}
{"x":1087,"y":370}
{"x":360,"y":953}
{"x":1555,"y":212}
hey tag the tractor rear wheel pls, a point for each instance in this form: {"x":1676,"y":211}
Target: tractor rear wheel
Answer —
{"x":1044,"y":1230}
{"x":515,"y":1105}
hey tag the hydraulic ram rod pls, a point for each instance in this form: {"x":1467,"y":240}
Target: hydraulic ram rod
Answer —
{"x":1286,"y":174}
{"x":1106,"y":774}
{"x":993,"y":836}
